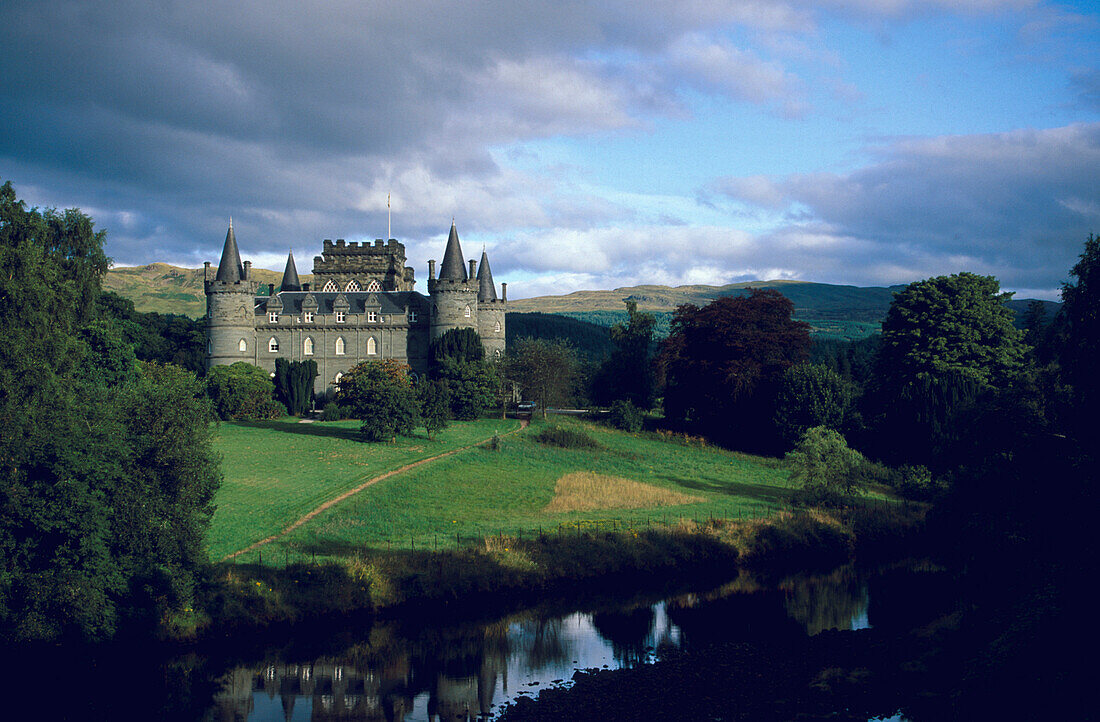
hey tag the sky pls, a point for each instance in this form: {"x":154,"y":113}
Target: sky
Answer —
{"x":583,"y":145}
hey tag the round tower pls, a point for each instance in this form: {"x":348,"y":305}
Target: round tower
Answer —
{"x":453,"y":295}
{"x":230,"y":300}
{"x":490,"y":311}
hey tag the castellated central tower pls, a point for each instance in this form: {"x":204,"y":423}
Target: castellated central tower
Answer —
{"x":230,"y":315}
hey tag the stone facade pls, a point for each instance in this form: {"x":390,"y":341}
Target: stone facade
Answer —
{"x":361,"y":307}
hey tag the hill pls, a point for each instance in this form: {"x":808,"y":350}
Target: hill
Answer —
{"x":833,"y":311}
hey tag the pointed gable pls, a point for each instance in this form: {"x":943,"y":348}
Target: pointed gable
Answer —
{"x":486,"y":289}
{"x":453,"y":268}
{"x":230,"y":269}
{"x":290,"y":276}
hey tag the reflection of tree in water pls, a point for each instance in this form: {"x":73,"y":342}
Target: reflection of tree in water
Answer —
{"x":829,"y":602}
{"x":542,"y":643}
{"x":627,"y":631}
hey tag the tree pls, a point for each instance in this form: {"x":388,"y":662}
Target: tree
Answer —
{"x":106,"y":471}
{"x":545,"y":370}
{"x":381,"y":395}
{"x":1081,"y":329}
{"x":460,"y":344}
{"x":471,"y":380}
{"x":722,"y":364}
{"x":242,"y":391}
{"x":824,"y":467}
{"x":810,"y":395}
{"x":627,"y":374}
{"x":945,"y":341}
{"x":294,"y":384}
{"x":434,"y":405}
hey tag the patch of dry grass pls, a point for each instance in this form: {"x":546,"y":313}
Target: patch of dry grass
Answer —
{"x":586,"y":491}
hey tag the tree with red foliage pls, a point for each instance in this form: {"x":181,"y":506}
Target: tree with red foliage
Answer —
{"x":722,"y":365}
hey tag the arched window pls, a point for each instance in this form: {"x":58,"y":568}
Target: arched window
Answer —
{"x":372,"y":347}
{"x":497,"y":327}
{"x":467,"y":312}
{"x":242,"y":346}
{"x":352,"y":287}
{"x":496,"y":353}
{"x":340,"y":346}
{"x":336,"y":381}
{"x":307,"y":346}
{"x":330,"y":287}
{"x":273,"y":345}
{"x":374,"y":287}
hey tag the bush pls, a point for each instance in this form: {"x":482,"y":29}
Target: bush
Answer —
{"x":334,"y":412}
{"x":626,"y":416}
{"x":242,"y":391}
{"x":827,"y":469}
{"x":566,"y":438}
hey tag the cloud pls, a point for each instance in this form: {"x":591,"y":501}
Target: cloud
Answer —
{"x":1017,"y":205}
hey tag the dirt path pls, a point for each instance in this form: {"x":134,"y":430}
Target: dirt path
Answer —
{"x":370,"y":482}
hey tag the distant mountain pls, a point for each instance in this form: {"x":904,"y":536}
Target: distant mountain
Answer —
{"x":846,"y":312}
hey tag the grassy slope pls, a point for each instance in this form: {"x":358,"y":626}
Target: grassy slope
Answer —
{"x":481,"y":492}
{"x":276,"y":471}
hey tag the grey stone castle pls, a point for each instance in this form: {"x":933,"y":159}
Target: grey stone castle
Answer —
{"x":361,"y":307}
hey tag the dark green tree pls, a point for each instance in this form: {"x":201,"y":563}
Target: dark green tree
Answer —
{"x":381,"y":395}
{"x":1080,"y":347}
{"x":294,"y":384}
{"x":810,"y":395}
{"x":545,"y":370}
{"x":627,"y":373}
{"x":471,"y":380}
{"x":945,"y":341}
{"x":723,"y":362}
{"x":242,"y":391}
{"x":434,"y":404}
{"x":823,"y":467}
{"x":459,"y":344}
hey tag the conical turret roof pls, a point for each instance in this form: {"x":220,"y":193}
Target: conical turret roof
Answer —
{"x":290,"y":275}
{"x":230,"y":269}
{"x":453,"y":268}
{"x":486,"y":289}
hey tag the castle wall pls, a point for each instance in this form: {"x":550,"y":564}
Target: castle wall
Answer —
{"x":490,"y":326}
{"x":229,"y":319}
{"x":450,"y":303}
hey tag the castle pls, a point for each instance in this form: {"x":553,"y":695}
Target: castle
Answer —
{"x":361,"y":307}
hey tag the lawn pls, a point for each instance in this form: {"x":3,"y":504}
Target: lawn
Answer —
{"x":276,"y":471}
{"x":527,"y":487}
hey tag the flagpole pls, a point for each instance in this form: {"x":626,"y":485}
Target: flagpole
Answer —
{"x":389,"y":225}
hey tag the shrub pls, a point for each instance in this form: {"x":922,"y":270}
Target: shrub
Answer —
{"x":826,"y":468}
{"x":566,"y":438}
{"x":626,"y":416}
{"x":242,"y":391}
{"x":333,"y":412}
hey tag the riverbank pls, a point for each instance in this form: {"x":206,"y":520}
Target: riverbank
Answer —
{"x":503,"y":572}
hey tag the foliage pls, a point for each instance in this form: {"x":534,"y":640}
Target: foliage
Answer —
{"x":242,"y":391}
{"x":565,"y":438}
{"x":165,"y":338}
{"x":459,"y":344}
{"x":852,"y":360}
{"x":1081,"y":317}
{"x":945,"y":341}
{"x":627,"y":374}
{"x":810,"y":395}
{"x":824,"y":466}
{"x":107,"y":471}
{"x":294,"y":384}
{"x":625,"y":416}
{"x":435,"y":405}
{"x":591,"y":340}
{"x":471,"y":386}
{"x":723,"y":362}
{"x":545,"y":370}
{"x":381,"y":395}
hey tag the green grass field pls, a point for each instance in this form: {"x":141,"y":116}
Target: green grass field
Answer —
{"x":478,"y":492}
{"x":276,"y":471}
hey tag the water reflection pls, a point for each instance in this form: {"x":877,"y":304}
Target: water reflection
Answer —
{"x":425,"y":672}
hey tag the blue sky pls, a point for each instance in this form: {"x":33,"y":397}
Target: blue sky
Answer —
{"x":583,"y":144}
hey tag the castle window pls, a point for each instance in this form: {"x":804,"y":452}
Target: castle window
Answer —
{"x":497,"y":352}
{"x":340,"y":315}
{"x":466,"y":313}
{"x":336,"y":381}
{"x":352,"y":287}
{"x":497,"y":327}
{"x":307,"y":346}
{"x":371,"y":316}
{"x":372,"y":347}
{"x":340,"y":346}
{"x":273,"y":345}
{"x":374,"y":287}
{"x":242,"y":346}
{"x":309,"y":316}
{"x":273,"y":317}
{"x":330,"y":287}
{"x":412,"y":316}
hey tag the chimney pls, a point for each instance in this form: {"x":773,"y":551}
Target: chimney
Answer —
{"x":504,"y":292}
{"x":247,"y":271}
{"x":305,"y":286}
{"x":206,"y":271}
{"x":473,"y":268}
{"x":271,"y":289}
{"x":431,"y":270}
